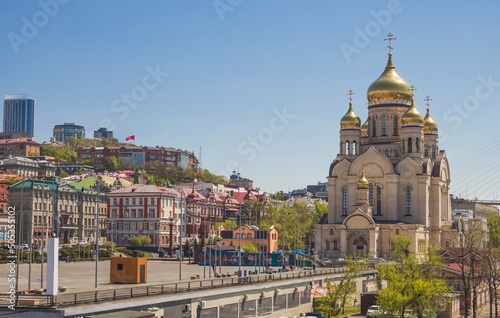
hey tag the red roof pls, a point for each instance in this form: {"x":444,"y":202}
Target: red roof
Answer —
{"x":17,"y":141}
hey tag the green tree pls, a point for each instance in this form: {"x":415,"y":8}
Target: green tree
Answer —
{"x":250,"y":248}
{"x":109,"y":245}
{"x":135,"y":241}
{"x":493,"y":222}
{"x":145,"y":240}
{"x":112,"y":164}
{"x":411,"y":283}
{"x":339,"y":293}
{"x":227,"y":224}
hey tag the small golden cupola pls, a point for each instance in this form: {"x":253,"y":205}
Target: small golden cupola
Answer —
{"x":362,"y":182}
{"x":350,"y":119}
{"x":364,"y":128}
{"x":412,"y":117}
{"x":430,"y":126}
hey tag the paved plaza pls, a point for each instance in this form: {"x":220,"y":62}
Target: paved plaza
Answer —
{"x":80,"y":276}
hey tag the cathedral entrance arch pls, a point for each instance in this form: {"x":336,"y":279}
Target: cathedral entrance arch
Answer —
{"x":357,"y":245}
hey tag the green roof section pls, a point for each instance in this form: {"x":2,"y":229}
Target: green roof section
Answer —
{"x":28,"y":184}
{"x":90,"y":181}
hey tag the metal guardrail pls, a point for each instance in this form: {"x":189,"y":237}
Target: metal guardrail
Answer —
{"x":98,"y":296}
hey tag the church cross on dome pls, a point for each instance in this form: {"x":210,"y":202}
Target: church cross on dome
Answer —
{"x":427,"y":100}
{"x":350,"y":93}
{"x":390,"y":37}
{"x":412,"y":89}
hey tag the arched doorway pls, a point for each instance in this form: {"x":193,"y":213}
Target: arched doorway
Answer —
{"x":360,"y":247}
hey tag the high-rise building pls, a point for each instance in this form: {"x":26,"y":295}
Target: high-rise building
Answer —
{"x":103,"y":133}
{"x":19,"y":113}
{"x":63,"y":132}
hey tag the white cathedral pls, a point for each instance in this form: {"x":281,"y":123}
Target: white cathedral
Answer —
{"x":389,"y":178}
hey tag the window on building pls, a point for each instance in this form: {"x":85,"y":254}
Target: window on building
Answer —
{"x":133,"y":213}
{"x":114,"y":213}
{"x":409,"y":145}
{"x":417,"y":145}
{"x":426,"y":151}
{"x":354,"y":148}
{"x":115,"y":201}
{"x":374,"y":126}
{"x":397,"y":231}
{"x":151,"y":213}
{"x":346,"y":150}
{"x":384,"y":125}
{"x":152,"y":201}
{"x":379,"y":201}
{"x":140,"y":201}
{"x":344,"y":200}
{"x":126,"y":201}
{"x":370,"y":193}
{"x":133,"y":201}
{"x":408,"y":200}
{"x":395,"y":125}
{"x":397,"y":152}
{"x":387,"y":152}
{"x":433,"y":151}
{"x":335,"y":244}
{"x":327,"y":243}
{"x":126,"y":213}
{"x":331,"y":231}
{"x":126,"y":226}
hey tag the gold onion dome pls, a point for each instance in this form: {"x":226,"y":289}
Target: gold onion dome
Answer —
{"x":389,"y":86}
{"x":362,"y":182}
{"x":364,"y":128}
{"x":350,"y":119}
{"x":429,"y":124}
{"x":412,"y":116}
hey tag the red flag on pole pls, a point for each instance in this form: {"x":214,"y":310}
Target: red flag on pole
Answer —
{"x":130,"y":138}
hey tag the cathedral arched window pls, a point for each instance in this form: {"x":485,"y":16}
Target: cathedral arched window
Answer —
{"x":417,"y":145}
{"x":397,"y":152}
{"x":335,"y":244}
{"x":409,"y":145}
{"x":397,"y":231}
{"x":384,"y":125}
{"x":426,"y":151}
{"x":354,"y":148}
{"x":433,"y":151}
{"x":370,"y":194}
{"x":327,"y":244}
{"x":374,"y":126}
{"x":379,"y":201}
{"x":331,"y":231}
{"x":395,"y":122}
{"x":387,"y":152}
{"x":408,"y":200}
{"x":345,"y":193}
{"x":346,"y":150}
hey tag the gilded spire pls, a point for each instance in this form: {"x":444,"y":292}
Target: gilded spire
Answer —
{"x":430,"y":126}
{"x":362,"y":182}
{"x":350,"y":119}
{"x":389,"y":86}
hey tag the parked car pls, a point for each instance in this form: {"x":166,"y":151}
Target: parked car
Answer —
{"x":374,"y":311}
{"x":315,"y":314}
{"x":81,"y":243}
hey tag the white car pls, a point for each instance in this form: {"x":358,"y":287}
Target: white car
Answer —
{"x":82,"y":243}
{"x":373,"y":311}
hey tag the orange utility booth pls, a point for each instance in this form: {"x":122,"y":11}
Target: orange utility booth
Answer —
{"x":128,"y":270}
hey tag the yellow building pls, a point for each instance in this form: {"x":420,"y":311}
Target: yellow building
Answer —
{"x":266,"y":240}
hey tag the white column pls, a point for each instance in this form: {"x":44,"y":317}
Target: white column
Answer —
{"x":53,"y":266}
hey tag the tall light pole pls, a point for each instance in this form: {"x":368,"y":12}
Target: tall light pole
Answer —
{"x":97,"y":208}
{"x":180,"y":238}
{"x":239,"y":241}
{"x":171,"y":224}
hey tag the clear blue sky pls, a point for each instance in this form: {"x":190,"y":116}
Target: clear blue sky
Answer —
{"x":277,"y":71}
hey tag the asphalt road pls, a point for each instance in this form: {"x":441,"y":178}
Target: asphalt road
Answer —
{"x":80,"y":276}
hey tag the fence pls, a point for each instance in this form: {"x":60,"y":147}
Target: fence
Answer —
{"x":71,"y":299}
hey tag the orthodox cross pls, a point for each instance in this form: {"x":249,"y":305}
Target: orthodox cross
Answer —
{"x":427,"y":100}
{"x":390,"y":38}
{"x":350,"y":93}
{"x":412,"y":89}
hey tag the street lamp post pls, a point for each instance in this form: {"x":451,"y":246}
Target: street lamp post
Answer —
{"x":180,"y":238}
{"x":171,"y":225}
{"x":239,"y":241}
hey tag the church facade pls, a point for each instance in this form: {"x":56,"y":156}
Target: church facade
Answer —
{"x":389,"y":178}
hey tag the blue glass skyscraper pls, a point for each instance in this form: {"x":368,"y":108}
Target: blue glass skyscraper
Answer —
{"x":19,"y":113}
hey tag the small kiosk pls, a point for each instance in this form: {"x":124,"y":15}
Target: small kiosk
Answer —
{"x":128,"y":270}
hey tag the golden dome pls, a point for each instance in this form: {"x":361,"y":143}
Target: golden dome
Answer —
{"x":429,"y":124}
{"x":412,"y":116}
{"x":350,"y":119}
{"x":364,"y":128}
{"x":362,"y":182}
{"x":389,"y":86}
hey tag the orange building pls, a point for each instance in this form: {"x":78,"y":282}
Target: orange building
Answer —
{"x":22,"y":147}
{"x":266,"y":240}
